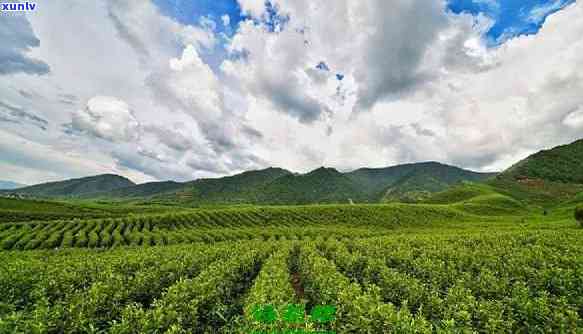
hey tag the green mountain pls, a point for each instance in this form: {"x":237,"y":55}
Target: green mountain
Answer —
{"x":546,"y":178}
{"x":143,"y":190}
{"x":76,"y":187}
{"x":412,"y":182}
{"x":272,"y":186}
{"x":546,"y":181}
{"x":326,"y":185}
{"x":9,"y":185}
{"x":560,"y":164}
{"x":242,"y":188}
{"x":323,"y":185}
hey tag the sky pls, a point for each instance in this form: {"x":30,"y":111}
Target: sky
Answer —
{"x":180,"y":90}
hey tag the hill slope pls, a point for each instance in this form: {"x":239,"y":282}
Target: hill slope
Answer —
{"x":412,"y":182}
{"x":143,"y":190}
{"x":560,"y":164}
{"x":272,"y":186}
{"x":77,"y":187}
{"x":478,"y":198}
{"x":546,"y":178}
{"x":241,"y":188}
{"x":323,"y":185}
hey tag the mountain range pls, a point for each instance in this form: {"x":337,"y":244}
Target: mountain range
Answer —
{"x":548,"y":174}
{"x":408,"y":182}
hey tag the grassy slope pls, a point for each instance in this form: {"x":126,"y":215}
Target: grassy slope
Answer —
{"x":237,"y":189}
{"x":271,"y":186}
{"x":77,"y":187}
{"x":560,"y":164}
{"x":144,"y":190}
{"x":323,"y":185}
{"x":480,"y":199}
{"x":411,"y":182}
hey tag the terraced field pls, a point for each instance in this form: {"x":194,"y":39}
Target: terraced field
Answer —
{"x":527,"y":281}
{"x":219,"y":225}
{"x":373,"y":269}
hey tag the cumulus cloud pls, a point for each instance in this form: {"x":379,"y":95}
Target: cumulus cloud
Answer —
{"x":190,"y":86}
{"x":107,"y":118}
{"x":302,"y":83}
{"x":394,"y":49}
{"x":154,"y":37}
{"x":18,"y":39}
{"x":274,"y":70}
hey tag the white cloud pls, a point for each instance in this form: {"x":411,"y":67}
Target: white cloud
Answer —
{"x":425,"y":91}
{"x":226,"y":20}
{"x":575,"y":118}
{"x":18,"y":39}
{"x":254,"y":8}
{"x":108,"y":118}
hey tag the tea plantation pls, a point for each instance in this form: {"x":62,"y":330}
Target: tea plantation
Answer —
{"x":395,"y":268}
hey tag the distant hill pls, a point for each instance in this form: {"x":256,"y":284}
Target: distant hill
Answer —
{"x":9,"y":185}
{"x":412,"y":182}
{"x":77,"y":187}
{"x":546,"y":178}
{"x":323,"y":185}
{"x":477,"y":198}
{"x":327,"y":185}
{"x":273,"y":186}
{"x":237,"y":189}
{"x":560,"y":164}
{"x":137,"y":191}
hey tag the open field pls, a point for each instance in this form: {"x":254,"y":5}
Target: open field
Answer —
{"x":446,"y":268}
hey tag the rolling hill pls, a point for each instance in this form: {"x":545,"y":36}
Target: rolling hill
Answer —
{"x":546,"y":181}
{"x":143,"y":190}
{"x":412,"y":182}
{"x":276,"y":186}
{"x":546,"y":178}
{"x":76,"y":187}
{"x":322,"y":185}
{"x":560,"y":164}
{"x":237,"y":189}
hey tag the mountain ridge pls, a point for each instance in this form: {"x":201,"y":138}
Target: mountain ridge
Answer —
{"x":272,"y":186}
{"x":76,"y":187}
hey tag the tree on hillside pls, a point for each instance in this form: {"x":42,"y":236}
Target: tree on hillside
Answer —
{"x":579,"y":215}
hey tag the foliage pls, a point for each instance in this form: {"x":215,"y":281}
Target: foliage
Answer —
{"x":271,"y":186}
{"x":413,"y":279}
{"x":217,"y":225}
{"x":560,"y":164}
{"x":76,"y":187}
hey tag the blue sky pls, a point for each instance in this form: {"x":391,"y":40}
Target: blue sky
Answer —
{"x":190,"y":12}
{"x":512,"y":17}
{"x":149,"y":109}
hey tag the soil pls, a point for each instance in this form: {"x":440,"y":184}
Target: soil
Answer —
{"x":297,"y":285}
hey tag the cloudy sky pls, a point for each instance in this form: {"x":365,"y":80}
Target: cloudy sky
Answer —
{"x":177,"y":89}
